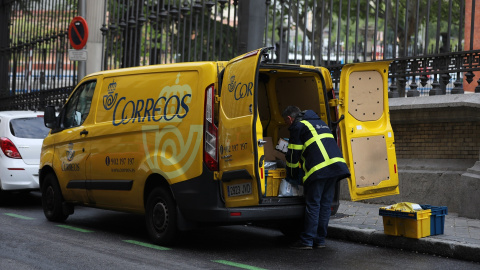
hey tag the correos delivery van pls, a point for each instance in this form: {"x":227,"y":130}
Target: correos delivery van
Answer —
{"x":188,"y":144}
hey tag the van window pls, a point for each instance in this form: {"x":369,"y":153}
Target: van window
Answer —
{"x":78,"y":106}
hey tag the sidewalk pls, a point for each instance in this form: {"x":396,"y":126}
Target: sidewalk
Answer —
{"x":360,"y":222}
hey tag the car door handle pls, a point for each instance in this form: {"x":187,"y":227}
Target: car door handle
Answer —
{"x":83,"y":132}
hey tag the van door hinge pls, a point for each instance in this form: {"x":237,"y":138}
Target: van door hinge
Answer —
{"x":217,"y":99}
{"x":333,"y":102}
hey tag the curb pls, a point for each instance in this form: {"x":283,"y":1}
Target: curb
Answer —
{"x":445,"y":248}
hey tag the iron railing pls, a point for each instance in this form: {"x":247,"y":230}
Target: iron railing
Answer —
{"x":431,"y":42}
{"x":167,"y":31}
{"x":425,"y":38}
{"x":35,"y":58}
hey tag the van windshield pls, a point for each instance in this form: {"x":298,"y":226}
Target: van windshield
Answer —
{"x":29,"y":128}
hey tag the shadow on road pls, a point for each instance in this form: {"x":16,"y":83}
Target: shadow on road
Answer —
{"x":21,"y":199}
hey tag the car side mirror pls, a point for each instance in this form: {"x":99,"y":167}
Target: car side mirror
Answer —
{"x":49,"y":117}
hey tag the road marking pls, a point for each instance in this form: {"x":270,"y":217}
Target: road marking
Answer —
{"x":146,"y":245}
{"x":18,"y":216}
{"x":74,"y":228}
{"x":239,"y":265}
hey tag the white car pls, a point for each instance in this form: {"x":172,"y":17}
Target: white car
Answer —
{"x":21,"y":137}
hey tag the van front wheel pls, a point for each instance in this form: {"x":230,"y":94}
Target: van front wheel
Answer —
{"x":52,"y":199}
{"x":161,"y":216}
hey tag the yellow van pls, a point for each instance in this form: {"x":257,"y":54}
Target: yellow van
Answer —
{"x":186,"y":144}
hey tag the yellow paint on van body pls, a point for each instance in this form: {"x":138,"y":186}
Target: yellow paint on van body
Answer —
{"x":145,"y":121}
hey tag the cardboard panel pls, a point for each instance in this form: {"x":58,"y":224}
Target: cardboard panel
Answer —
{"x":370,"y":160}
{"x":365,"y":100}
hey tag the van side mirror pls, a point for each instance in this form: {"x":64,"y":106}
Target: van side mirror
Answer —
{"x":49,"y":118}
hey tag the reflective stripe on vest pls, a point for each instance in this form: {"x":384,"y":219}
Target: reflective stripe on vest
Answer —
{"x":317,"y":138}
{"x":294,"y":147}
{"x":293,"y":165}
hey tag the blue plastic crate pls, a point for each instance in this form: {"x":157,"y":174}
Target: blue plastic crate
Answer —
{"x":437,"y":219}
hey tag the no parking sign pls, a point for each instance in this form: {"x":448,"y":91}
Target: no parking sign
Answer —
{"x":78,"y":33}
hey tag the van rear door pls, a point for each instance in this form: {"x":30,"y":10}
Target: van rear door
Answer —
{"x":367,"y":138}
{"x":240,"y":132}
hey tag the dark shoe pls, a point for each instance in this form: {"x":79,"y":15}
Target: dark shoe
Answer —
{"x":317,"y":246}
{"x":299,"y":245}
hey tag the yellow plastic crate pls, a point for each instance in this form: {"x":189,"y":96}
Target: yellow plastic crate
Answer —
{"x":390,"y":225}
{"x":408,"y":224}
{"x":272,"y":181}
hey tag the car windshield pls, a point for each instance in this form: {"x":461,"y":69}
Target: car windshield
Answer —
{"x":30,"y":128}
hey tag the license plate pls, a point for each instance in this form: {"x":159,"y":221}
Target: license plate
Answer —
{"x":239,"y":190}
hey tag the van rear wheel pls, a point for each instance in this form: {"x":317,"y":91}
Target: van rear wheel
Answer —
{"x":52,"y":199}
{"x":161,"y":216}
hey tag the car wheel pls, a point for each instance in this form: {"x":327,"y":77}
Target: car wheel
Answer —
{"x":161,"y":216}
{"x":52,"y":199}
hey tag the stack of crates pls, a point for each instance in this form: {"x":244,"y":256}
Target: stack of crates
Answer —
{"x":414,"y":224}
{"x":272,"y":181}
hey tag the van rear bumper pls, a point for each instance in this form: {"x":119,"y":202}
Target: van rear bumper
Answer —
{"x":261,"y":213}
{"x":246,"y":214}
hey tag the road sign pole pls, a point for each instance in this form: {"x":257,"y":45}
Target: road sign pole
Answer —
{"x":82,"y":65}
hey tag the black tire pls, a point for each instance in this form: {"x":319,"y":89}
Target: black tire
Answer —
{"x":161,"y":216}
{"x":52,"y":199}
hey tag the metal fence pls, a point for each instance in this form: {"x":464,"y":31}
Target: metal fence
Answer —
{"x":135,"y":32}
{"x":168,"y":31}
{"x":431,"y":42}
{"x":426,"y":39}
{"x":34,"y":63}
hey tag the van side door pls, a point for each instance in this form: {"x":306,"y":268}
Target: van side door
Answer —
{"x":240,"y":133}
{"x":72,"y":147}
{"x":367,"y":138}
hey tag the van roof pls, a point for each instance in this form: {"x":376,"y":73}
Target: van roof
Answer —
{"x":140,"y":69}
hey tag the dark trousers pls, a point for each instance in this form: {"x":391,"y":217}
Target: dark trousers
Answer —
{"x":319,"y":195}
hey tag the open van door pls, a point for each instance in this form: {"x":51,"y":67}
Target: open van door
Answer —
{"x":240,"y":133}
{"x":366,"y":133}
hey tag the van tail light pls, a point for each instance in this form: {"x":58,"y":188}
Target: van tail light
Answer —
{"x":210,"y":153}
{"x":9,"y":148}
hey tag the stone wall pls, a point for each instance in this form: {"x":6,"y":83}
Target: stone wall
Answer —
{"x":437,"y":140}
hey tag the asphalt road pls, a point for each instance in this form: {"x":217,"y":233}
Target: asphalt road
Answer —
{"x":100,"y":239}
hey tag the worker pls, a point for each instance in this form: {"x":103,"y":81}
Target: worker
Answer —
{"x":313,"y":149}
